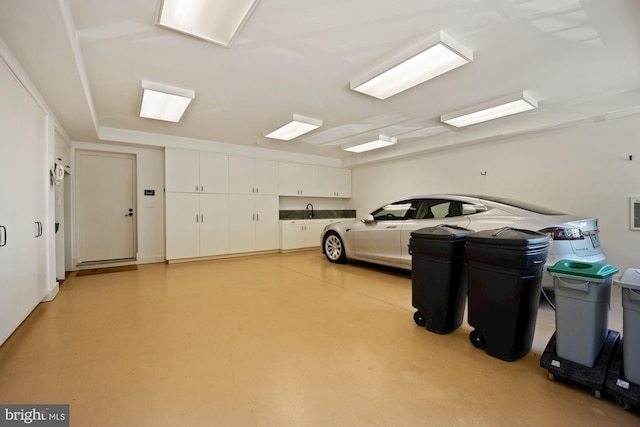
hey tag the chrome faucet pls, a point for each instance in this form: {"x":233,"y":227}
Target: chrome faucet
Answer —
{"x":307,"y":208}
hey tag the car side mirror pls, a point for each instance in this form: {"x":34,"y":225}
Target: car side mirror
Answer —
{"x":368,"y":219}
{"x":472,"y":209}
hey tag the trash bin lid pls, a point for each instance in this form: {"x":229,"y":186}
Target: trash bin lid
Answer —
{"x":583,"y":269}
{"x":441,"y":232}
{"x":630,"y":279}
{"x":510,"y":237}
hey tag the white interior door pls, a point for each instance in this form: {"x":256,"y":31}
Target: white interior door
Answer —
{"x":106,"y":216}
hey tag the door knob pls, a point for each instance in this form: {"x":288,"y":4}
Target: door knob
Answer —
{"x":130,"y":213}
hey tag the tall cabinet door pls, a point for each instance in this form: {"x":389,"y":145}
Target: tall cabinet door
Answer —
{"x":37,"y":179}
{"x":242,"y":217}
{"x":183,"y":225}
{"x":214,"y":224}
{"x":23,"y":214}
{"x":267,"y":217}
{"x":10,"y":221}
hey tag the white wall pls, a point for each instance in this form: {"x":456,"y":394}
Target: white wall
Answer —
{"x":150,"y":209}
{"x":582,"y":170}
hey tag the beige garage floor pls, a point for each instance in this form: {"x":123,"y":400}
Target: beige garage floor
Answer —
{"x":274,"y":340}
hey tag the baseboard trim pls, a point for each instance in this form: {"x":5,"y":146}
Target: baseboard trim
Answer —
{"x":215,"y":257}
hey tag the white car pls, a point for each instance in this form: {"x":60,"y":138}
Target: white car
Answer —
{"x":383,"y":236}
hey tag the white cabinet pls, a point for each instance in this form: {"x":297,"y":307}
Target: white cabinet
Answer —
{"x":218,"y":204}
{"x":253,"y":223}
{"x":214,"y":173}
{"x":24,"y":228}
{"x":298,"y":179}
{"x":253,"y":176}
{"x":298,"y":234}
{"x":197,"y":225}
{"x":182,"y":171}
{"x":189,"y":171}
{"x":314,"y":181}
{"x":334,"y":182}
{"x":214,"y":224}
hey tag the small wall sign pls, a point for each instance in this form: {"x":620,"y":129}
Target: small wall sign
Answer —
{"x":149,"y":192}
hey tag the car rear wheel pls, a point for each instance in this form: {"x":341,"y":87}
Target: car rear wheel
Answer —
{"x":334,"y":248}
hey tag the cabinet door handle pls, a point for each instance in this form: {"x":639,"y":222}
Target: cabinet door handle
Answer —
{"x":3,"y":236}
{"x":202,"y":188}
{"x":257,"y":217}
{"x":197,"y":219}
{"x":197,"y":187}
{"x":38,"y":229}
{"x":201,"y":217}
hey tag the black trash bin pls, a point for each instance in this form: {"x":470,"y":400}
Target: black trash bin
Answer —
{"x":439,"y":277}
{"x":505,"y":268}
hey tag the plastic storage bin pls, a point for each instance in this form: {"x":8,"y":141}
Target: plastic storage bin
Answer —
{"x":505,"y":268}
{"x":630,"y":284}
{"x":583,"y":298}
{"x":439,"y":277}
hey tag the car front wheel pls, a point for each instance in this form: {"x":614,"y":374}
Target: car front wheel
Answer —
{"x":334,"y":248}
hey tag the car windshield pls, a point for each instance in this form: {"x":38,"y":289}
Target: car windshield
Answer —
{"x":522,"y":205}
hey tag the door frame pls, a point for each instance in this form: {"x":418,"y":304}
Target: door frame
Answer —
{"x":77,"y":265}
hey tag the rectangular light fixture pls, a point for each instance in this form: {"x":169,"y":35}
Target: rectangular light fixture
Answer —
{"x":501,"y":107}
{"x":296,"y":127}
{"x":217,"y":21}
{"x":411,"y":66}
{"x":382,"y":141}
{"x":164,"y":102}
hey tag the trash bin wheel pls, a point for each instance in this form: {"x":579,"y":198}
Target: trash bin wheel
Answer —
{"x":623,"y":403}
{"x":477,"y":339}
{"x":418,"y":317}
{"x":596,"y":393}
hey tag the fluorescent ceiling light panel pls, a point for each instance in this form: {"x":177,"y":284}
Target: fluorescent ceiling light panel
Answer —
{"x":416,"y":64}
{"x":163,"y":102}
{"x":217,"y":21}
{"x":296,"y":127}
{"x":501,"y":107}
{"x":382,"y":141}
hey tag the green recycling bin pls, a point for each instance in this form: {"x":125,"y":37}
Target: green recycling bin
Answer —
{"x":583,"y":301}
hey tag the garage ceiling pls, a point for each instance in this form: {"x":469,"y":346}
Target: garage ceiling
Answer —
{"x":580,"y":59}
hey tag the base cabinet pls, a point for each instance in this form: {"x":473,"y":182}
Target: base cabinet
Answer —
{"x":197,"y":225}
{"x":253,"y":223}
{"x":300,"y":234}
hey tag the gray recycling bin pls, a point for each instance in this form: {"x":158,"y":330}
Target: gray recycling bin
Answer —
{"x":439,"y":277}
{"x":630,"y":284}
{"x":505,"y":268}
{"x":583,"y":300}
